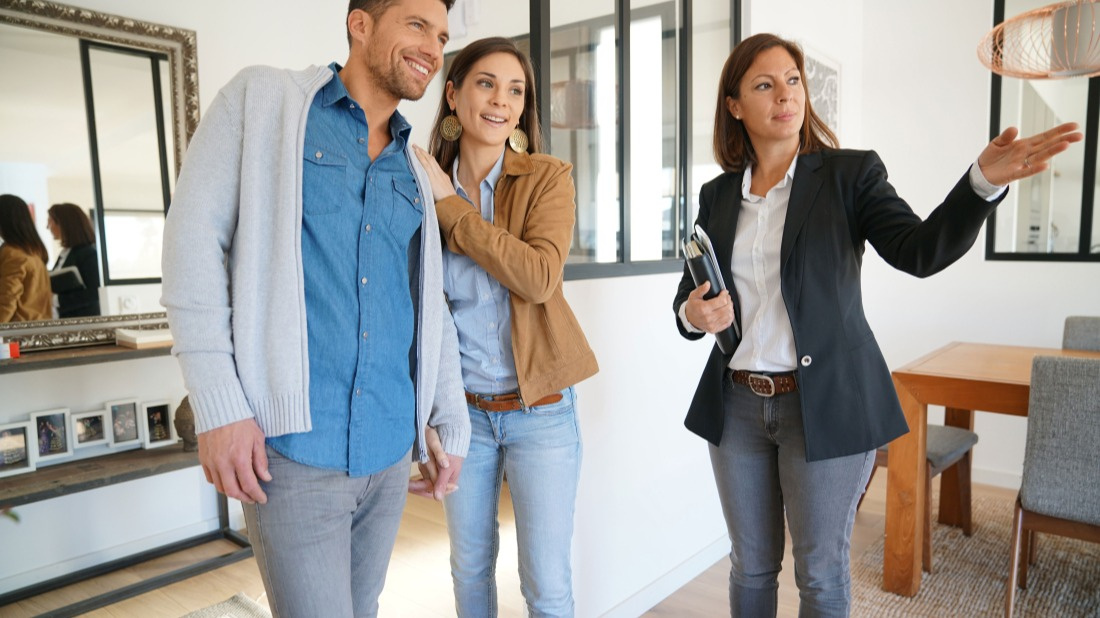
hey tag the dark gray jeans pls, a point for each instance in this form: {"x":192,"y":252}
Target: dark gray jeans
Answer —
{"x":761,"y":471}
{"x":323,"y":540}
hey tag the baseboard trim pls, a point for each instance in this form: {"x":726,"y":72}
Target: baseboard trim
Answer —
{"x":996,"y":478}
{"x":661,"y":588}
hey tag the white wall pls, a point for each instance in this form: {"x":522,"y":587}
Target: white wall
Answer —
{"x":647,"y":516}
{"x":925,"y":110}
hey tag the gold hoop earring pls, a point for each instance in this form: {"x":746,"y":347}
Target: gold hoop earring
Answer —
{"x":450,"y":129}
{"x":517,"y":141}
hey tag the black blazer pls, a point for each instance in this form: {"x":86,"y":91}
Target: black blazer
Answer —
{"x":78,"y":303}
{"x":839,"y":200}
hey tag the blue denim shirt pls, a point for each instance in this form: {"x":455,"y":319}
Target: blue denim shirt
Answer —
{"x":481,"y":308}
{"x":359,"y":218}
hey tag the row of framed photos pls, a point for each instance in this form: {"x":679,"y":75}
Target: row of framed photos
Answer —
{"x":54,"y":435}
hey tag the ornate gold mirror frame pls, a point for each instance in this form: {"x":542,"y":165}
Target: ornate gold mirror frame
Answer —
{"x":179,"y":45}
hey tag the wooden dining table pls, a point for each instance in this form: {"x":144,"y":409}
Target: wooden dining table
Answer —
{"x":962,"y":377}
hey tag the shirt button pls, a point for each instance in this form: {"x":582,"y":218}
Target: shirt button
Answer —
{"x":364,"y":334}
{"x":358,"y":392}
{"x":367,"y":228}
{"x":318,"y":154}
{"x":416,"y":200}
{"x":363,"y":281}
{"x":492,"y":324}
{"x":806,"y":360}
{"x":362,"y":141}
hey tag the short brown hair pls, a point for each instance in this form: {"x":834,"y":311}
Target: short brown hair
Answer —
{"x":375,"y":8}
{"x":732,"y":148}
{"x":74,"y":225}
{"x":444,"y":151}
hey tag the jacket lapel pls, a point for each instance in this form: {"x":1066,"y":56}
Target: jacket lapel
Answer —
{"x":806,"y":185}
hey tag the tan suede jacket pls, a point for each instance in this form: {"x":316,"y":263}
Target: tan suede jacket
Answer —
{"x":525,"y":250}
{"x":24,"y":286}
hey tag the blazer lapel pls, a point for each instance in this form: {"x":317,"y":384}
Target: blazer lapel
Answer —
{"x":806,"y":185}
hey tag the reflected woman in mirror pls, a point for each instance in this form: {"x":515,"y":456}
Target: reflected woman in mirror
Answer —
{"x":794,"y":414}
{"x":24,"y":282}
{"x":506,"y":213}
{"x":72,"y":228}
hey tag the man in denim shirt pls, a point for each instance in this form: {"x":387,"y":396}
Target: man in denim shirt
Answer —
{"x":302,"y":278}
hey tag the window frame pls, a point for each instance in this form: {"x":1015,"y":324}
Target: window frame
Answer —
{"x":540,"y":56}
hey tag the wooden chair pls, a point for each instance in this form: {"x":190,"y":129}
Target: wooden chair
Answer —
{"x":1059,"y":493}
{"x":946,"y":446}
{"x":1081,"y":332}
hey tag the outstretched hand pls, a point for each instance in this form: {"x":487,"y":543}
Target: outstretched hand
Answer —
{"x":1006,"y":158}
{"x":440,"y":181}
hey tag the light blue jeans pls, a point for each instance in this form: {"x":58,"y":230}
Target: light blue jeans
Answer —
{"x":539,"y":449}
{"x":761,"y":470}
{"x":323,"y":540}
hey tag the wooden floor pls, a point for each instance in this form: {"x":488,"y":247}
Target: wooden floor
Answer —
{"x":418,"y":583}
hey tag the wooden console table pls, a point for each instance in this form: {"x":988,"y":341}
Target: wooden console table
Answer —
{"x":84,"y":474}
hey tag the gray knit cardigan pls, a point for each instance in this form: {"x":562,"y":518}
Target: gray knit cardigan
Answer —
{"x":232,"y":269}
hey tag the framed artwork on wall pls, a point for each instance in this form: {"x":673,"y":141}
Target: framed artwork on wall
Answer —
{"x":823,"y":81}
{"x":17,"y":448}
{"x":157,"y":419}
{"x":52,"y":435}
{"x":90,"y":429}
{"x":125,"y":424}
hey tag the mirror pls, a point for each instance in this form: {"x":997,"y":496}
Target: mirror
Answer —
{"x":104,"y":108}
{"x":1050,"y":216}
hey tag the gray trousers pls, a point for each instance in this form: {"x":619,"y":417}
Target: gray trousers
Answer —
{"x":761,"y":470}
{"x":323,"y":540}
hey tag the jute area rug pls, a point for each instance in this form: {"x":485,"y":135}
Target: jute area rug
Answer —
{"x":240,"y":606}
{"x":971,"y":573}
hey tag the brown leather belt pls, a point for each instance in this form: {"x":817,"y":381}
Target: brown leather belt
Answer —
{"x":766,"y":385}
{"x":508,"y":402}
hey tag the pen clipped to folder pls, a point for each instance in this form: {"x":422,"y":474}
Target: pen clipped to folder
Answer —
{"x":703,"y":265}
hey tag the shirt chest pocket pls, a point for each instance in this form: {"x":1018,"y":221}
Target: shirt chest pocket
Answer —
{"x":407,"y":209}
{"x":324,"y":181}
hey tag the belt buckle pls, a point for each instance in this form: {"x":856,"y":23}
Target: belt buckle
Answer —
{"x":758,"y":382}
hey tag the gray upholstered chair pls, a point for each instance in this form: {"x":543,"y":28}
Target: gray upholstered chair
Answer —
{"x":1060,"y":492}
{"x":946,"y":446}
{"x":1082,"y":332}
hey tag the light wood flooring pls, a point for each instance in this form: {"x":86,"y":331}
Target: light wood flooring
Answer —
{"x":418,"y":583}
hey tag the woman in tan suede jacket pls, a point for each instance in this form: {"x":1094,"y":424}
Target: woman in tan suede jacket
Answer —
{"x":507,"y":214}
{"x":24,"y":282}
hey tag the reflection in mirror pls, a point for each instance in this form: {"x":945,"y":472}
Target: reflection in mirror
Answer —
{"x":49,"y":153}
{"x":1049,"y":216}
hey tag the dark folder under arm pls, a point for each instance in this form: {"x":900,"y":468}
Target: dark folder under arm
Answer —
{"x":66,"y":279}
{"x":703,"y":266}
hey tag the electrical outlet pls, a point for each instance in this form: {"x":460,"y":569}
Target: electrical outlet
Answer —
{"x":127,"y":303}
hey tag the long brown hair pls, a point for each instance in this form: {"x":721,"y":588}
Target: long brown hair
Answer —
{"x":445,"y":152}
{"x":17,"y":227}
{"x":732,"y":148}
{"x":73,"y":224}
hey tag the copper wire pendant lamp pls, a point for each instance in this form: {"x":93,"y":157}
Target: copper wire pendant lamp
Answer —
{"x":1052,"y":42}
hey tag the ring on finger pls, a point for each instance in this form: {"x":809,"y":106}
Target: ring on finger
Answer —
{"x":1027,"y":163}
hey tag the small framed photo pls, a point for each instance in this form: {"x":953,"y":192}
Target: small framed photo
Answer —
{"x":157,"y":417}
{"x":90,"y":429}
{"x":17,"y":448}
{"x":125,"y":429}
{"x":51,"y":429}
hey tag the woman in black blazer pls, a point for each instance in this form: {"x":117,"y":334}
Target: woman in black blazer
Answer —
{"x":795,"y":412}
{"x":70,"y":226}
